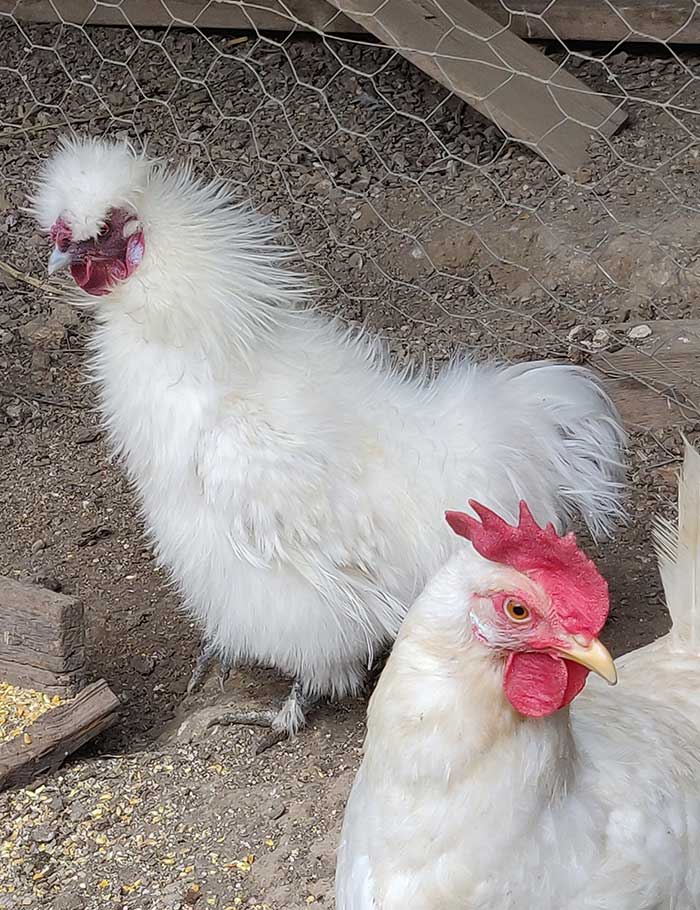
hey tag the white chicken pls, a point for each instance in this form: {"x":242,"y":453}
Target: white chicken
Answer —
{"x":290,"y":478}
{"x":480,"y":788}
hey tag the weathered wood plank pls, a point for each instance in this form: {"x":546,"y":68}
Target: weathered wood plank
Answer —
{"x":42,"y":638}
{"x":265,"y":15}
{"x":677,"y":21}
{"x":525,"y":93}
{"x":656,"y":383}
{"x":56,"y":734}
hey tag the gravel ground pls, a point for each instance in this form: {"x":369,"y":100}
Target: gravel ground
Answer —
{"x":415,"y":216}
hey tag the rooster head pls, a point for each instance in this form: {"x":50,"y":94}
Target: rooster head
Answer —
{"x":86,"y":201}
{"x":542,"y":607}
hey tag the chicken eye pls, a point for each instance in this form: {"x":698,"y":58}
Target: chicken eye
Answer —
{"x":517,"y":611}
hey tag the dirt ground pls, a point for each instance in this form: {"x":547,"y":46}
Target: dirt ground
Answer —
{"x":417,"y":217}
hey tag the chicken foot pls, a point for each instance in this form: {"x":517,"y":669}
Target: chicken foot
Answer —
{"x":208,"y":655}
{"x":283,"y":724}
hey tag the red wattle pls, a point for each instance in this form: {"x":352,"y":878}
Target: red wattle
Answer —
{"x":537,"y":684}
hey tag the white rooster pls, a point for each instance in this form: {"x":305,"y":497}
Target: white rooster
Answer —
{"x":480,"y":788}
{"x":291,"y":480}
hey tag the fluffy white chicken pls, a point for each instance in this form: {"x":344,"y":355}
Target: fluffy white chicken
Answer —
{"x":291,"y":480}
{"x":480,"y":788}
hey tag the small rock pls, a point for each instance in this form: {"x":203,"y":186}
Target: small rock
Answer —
{"x":15,"y":411}
{"x":65,"y":314}
{"x":276,"y":810}
{"x":192,"y":895}
{"x":144,"y":664}
{"x":40,"y":361}
{"x":38,"y":546}
{"x":87,"y":434}
{"x":90,"y":536}
{"x":639,"y":332}
{"x":42,"y":834}
{"x":6,"y":336}
{"x":42,"y":332}
{"x":355,"y":261}
{"x":56,"y":803}
{"x":78,"y":811}
{"x":600,"y":340}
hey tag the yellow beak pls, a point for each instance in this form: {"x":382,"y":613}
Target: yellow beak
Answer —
{"x":594,"y":656}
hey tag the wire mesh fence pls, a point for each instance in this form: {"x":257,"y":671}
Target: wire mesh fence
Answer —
{"x":415,"y":213}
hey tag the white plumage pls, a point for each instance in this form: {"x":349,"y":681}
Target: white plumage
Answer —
{"x":291,"y":479}
{"x":463,"y":803}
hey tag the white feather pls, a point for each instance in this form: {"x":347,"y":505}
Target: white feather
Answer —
{"x":678,"y":550}
{"x":293,"y":482}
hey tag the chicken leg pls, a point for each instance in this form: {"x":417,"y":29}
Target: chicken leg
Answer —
{"x":283,"y":724}
{"x":208,"y":655}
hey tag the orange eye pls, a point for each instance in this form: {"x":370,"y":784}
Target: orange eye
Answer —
{"x":516,"y":611}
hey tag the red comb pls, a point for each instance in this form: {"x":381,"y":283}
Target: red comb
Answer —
{"x":578,"y":591}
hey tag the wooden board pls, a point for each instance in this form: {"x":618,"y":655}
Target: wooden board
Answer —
{"x":267,"y":14}
{"x":655,"y":383}
{"x":677,"y":21}
{"x":42,"y":638}
{"x":56,"y":734}
{"x":525,"y":93}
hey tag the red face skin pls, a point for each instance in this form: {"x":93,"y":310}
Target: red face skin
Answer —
{"x":537,"y":681}
{"x":98,"y":264}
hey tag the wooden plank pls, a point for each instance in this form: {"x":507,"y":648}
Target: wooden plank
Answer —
{"x":42,"y":638}
{"x":526,"y":94}
{"x":265,"y":15}
{"x":655,"y":383}
{"x":677,"y":21}
{"x":56,"y":734}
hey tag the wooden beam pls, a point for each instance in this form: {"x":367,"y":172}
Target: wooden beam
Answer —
{"x":42,"y":638}
{"x":675,"y":21}
{"x":527,"y":95}
{"x":655,"y":382}
{"x":56,"y":734}
{"x":315,"y":15}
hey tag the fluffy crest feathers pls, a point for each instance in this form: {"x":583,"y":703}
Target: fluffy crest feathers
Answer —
{"x":83,"y":180}
{"x":578,"y":591}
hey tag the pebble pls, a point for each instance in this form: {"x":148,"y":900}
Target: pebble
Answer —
{"x":42,"y":834}
{"x":276,"y":810}
{"x":38,"y":545}
{"x":639,"y":332}
{"x":78,"y":811}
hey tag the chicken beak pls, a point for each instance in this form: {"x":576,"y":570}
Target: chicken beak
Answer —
{"x":593,"y":655}
{"x":58,"y":261}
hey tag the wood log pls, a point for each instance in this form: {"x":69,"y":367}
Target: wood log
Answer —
{"x":56,"y":734}
{"x":655,"y":382}
{"x":672,"y":21}
{"x":42,"y":638}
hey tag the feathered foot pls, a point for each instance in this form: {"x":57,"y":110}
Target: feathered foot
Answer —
{"x":283,"y":724}
{"x":207,"y":656}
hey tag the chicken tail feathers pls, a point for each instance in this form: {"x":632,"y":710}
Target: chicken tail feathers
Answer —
{"x":678,"y":552}
{"x":582,"y":439}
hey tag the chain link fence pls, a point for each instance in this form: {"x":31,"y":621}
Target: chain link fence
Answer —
{"x":415,"y":213}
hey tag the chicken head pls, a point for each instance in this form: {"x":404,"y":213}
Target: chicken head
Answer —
{"x":543,"y":610}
